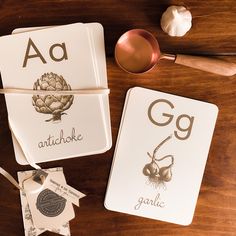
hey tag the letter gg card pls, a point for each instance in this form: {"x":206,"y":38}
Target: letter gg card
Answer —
{"x":160,"y":156}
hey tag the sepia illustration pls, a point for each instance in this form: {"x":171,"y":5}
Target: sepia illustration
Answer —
{"x":32,"y":231}
{"x":157,"y":173}
{"x":52,"y":104}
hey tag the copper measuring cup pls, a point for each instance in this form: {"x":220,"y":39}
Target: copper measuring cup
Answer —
{"x":137,"y":51}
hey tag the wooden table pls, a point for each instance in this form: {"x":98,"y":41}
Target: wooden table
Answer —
{"x":213,"y":32}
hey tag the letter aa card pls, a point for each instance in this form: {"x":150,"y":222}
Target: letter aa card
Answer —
{"x":160,"y":155}
{"x":51,"y":127}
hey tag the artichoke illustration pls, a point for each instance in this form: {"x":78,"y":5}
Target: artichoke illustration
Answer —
{"x":52,"y":104}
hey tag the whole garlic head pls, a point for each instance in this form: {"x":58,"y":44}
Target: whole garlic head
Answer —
{"x":176,"y":21}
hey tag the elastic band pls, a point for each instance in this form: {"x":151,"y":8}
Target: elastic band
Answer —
{"x":102,"y":91}
{"x":10,"y":178}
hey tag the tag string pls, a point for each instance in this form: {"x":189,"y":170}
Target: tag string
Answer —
{"x":98,"y":91}
{"x":10,"y":178}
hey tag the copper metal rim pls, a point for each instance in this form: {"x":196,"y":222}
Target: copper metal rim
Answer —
{"x":137,"y":51}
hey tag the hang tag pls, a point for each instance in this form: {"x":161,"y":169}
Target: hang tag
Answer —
{"x":48,"y":209}
{"x":29,"y":226}
{"x":46,"y":200}
{"x":41,"y":179}
{"x":64,"y":190}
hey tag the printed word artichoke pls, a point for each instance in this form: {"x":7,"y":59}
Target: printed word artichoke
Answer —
{"x":52,"y":104}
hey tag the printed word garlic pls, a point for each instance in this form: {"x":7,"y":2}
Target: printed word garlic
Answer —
{"x":176,"y":21}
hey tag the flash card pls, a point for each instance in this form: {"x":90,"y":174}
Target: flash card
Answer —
{"x":96,"y":38}
{"x":160,"y":155}
{"x":50,"y":127}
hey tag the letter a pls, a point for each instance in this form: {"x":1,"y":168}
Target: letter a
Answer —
{"x":37,"y":54}
{"x":64,"y":55}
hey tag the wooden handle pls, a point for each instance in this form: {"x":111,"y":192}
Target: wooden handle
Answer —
{"x":213,"y":65}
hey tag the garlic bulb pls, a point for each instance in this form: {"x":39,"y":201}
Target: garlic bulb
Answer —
{"x":176,"y":21}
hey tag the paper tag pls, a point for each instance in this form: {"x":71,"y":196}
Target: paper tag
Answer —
{"x":60,"y":188}
{"x":29,"y":227}
{"x":64,"y":190}
{"x":48,"y":209}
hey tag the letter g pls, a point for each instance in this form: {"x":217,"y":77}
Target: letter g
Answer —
{"x":170,"y":117}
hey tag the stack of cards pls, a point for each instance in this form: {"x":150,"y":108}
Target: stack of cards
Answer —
{"x":43,"y":209}
{"x":160,"y":156}
{"x":52,"y":127}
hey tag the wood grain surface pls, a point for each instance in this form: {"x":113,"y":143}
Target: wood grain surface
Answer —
{"x":213,"y":32}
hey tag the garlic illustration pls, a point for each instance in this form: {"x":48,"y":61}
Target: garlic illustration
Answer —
{"x":151,"y":169}
{"x":165,"y":173}
{"x":157,"y":176}
{"x":176,"y":21}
